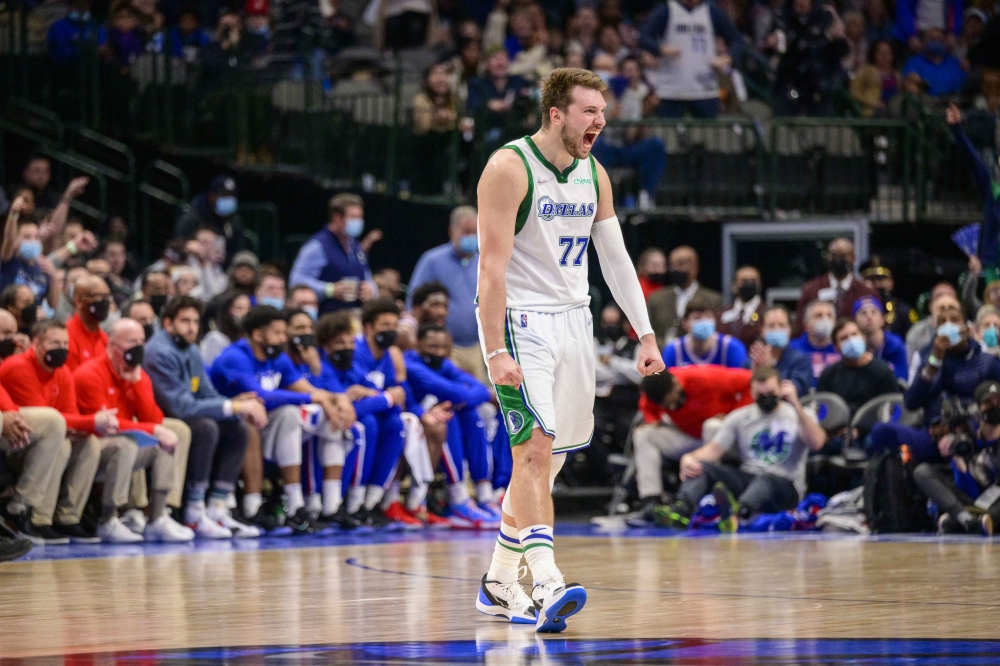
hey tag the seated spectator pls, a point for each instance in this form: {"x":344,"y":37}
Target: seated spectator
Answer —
{"x":66,"y":35}
{"x":681,"y":411}
{"x":987,"y":328}
{"x":921,"y":333}
{"x":840,"y":285}
{"x":743,"y":320}
{"x":701,"y":345}
{"x":617,"y":393}
{"x":140,"y":310}
{"x":258,"y":364}
{"x":18,"y":300}
{"x":858,"y":376}
{"x":11,"y":341}
{"x":92,"y":301}
{"x":885,"y":346}
{"x":302,"y":297}
{"x":430,"y":305}
{"x":244,"y":272}
{"x":973,"y":472}
{"x":773,"y":350}
{"x":21,"y":260}
{"x":434,"y":107}
{"x":144,"y":440}
{"x":942,"y":72}
{"x":114,"y":252}
{"x":667,"y":306}
{"x":899,"y":315}
{"x":817,"y":341}
{"x":651,"y":267}
{"x":216,"y":209}
{"x":206,"y":252}
{"x":974,"y":22}
{"x":877,"y":82}
{"x":271,"y":290}
{"x":218,"y":432}
{"x":771,"y":437}
{"x":157,"y":288}
{"x":732,"y":86}
{"x":185,"y":280}
{"x":225,"y":327}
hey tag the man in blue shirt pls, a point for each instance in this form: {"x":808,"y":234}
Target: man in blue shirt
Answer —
{"x":68,"y":34}
{"x":942,"y":71}
{"x":21,"y":261}
{"x":433,"y":378}
{"x":218,"y":434}
{"x":774,"y":350}
{"x":701,"y":345}
{"x":886,"y":346}
{"x":333,"y":263}
{"x":455,"y":265}
{"x":816,"y":342}
{"x":258,"y":364}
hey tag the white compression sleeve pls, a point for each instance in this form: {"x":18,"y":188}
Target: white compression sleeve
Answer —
{"x":619,"y":273}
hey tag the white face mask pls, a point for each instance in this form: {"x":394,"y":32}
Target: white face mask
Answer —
{"x":823,"y":327}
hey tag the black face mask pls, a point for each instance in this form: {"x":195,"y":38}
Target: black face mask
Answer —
{"x":133,"y":356}
{"x":681,"y":401}
{"x":157,"y":302}
{"x":433,"y":361}
{"x":304,"y":341}
{"x":273,"y":351}
{"x":746,"y":291}
{"x":768,"y":402}
{"x":148,"y":330}
{"x":657,"y":278}
{"x":180,"y":341}
{"x":99,"y":309}
{"x":7,"y":347}
{"x":55,"y":358}
{"x":677,"y":278}
{"x":29,"y":315}
{"x":385,"y":339}
{"x":991,"y":415}
{"x":839,"y":267}
{"x":342,"y":359}
{"x":612,"y":332}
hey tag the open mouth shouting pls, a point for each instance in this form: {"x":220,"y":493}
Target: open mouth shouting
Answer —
{"x":589,"y":138}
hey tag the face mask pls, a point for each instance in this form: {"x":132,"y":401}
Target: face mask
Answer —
{"x":767,"y":402}
{"x":342,"y":359}
{"x":853,"y":347}
{"x":657,"y":278}
{"x":273,"y":301}
{"x":157,"y":303}
{"x":776,"y":338}
{"x":7,"y":347}
{"x":991,"y":415}
{"x":469,"y":245}
{"x":272,"y":351}
{"x":180,"y":341}
{"x":839,"y":267}
{"x":385,"y":339}
{"x":681,"y":400}
{"x":355,"y":225}
{"x":747,"y":290}
{"x":823,"y":328}
{"x":936,"y":49}
{"x":225,"y":206}
{"x":612,"y":332}
{"x":76,"y":16}
{"x":133,"y":356}
{"x":29,"y":250}
{"x":703,"y":329}
{"x":952,"y":331}
{"x":990,"y":338}
{"x":311,"y":311}
{"x":305,"y":341}
{"x":148,"y":330}
{"x":433,"y":362}
{"x":29,"y":315}
{"x":677,"y":278}
{"x":55,"y":358}
{"x":99,"y":309}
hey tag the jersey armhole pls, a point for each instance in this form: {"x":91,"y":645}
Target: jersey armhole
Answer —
{"x":525,"y":207}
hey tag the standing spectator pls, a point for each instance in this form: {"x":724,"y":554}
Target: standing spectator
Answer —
{"x":435,"y":112}
{"x":21,"y":260}
{"x":899,"y":315}
{"x":879,"y":23}
{"x":188,"y":38}
{"x":244,"y":272}
{"x":91,"y":302}
{"x":858,"y":376}
{"x":651,"y":267}
{"x":918,"y":16}
{"x":973,"y":25}
{"x":405,"y":24}
{"x":857,"y":44}
{"x":37,"y":176}
{"x":885,"y":346}
{"x":667,"y":306}
{"x":817,"y":340}
{"x":941,"y":71}
{"x":988,"y":329}
{"x":126,"y":39}
{"x":682,"y":34}
{"x":743,"y":321}
{"x":840,"y":285}
{"x":774,"y":350}
{"x":456,"y":265}
{"x":66,"y":35}
{"x":702,"y":345}
{"x":216,"y":209}
{"x":206,"y":253}
{"x":332,"y":262}
{"x":225,"y":326}
{"x":921,"y":334}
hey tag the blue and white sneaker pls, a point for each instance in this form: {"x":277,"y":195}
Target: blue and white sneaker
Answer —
{"x":507,"y":600}
{"x":471,"y":517}
{"x":493,"y":509}
{"x":555,"y":602}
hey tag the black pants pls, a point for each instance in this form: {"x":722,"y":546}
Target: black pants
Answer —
{"x":217,"y":451}
{"x":942,"y":491}
{"x":756,"y":493}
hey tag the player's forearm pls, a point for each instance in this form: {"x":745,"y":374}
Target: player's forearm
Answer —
{"x":492,"y":308}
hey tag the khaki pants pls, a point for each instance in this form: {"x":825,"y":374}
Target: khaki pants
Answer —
{"x":39,"y":459}
{"x":121,"y":458}
{"x":138,"y":496}
{"x":652,"y":443}
{"x":69,"y":490}
{"x":471,"y":360}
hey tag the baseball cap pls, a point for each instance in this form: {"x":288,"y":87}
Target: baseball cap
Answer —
{"x":224,"y":185}
{"x":245,"y":258}
{"x":986,"y":390}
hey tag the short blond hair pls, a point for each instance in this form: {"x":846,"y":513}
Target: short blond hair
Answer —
{"x":557,"y":88}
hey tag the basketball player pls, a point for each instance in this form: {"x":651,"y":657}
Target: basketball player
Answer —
{"x":541,"y":201}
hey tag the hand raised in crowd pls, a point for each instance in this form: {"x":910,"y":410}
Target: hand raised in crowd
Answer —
{"x":106,"y":422}
{"x":789,"y":393}
{"x":195,"y":249}
{"x":952,"y":115}
{"x":15,"y":430}
{"x":17,"y":206}
{"x":252,"y":410}
{"x":372,"y":237}
{"x":166,"y":437}
{"x":76,"y":187}
{"x":760,"y":354}
{"x":975,"y":265}
{"x":84,"y":241}
{"x":46,"y":265}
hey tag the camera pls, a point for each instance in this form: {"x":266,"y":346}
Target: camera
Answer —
{"x":956,"y":420}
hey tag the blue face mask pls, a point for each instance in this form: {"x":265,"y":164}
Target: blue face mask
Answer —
{"x":76,"y":16}
{"x":273,"y":301}
{"x":469,"y":245}
{"x":311,"y":311}
{"x":952,"y":331}
{"x":30,"y":250}
{"x":990,"y":338}
{"x":355,"y":225}
{"x":776,"y":338}
{"x":703,"y":329}
{"x":853,"y":347}
{"x":936,"y":49}
{"x":225,"y":206}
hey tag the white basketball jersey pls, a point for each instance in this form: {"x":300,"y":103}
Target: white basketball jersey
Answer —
{"x":548,"y":268}
{"x":689,"y":76}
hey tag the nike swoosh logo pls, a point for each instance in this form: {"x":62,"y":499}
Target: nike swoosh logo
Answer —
{"x":537,"y":530}
{"x":542,"y":182}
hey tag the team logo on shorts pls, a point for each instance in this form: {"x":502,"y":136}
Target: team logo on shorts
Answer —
{"x":524,"y":321}
{"x":514,"y":422}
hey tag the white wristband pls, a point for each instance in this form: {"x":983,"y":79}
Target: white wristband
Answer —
{"x":496,"y":353}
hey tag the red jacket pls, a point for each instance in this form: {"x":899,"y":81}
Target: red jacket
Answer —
{"x":98,"y":386}
{"x":711,"y":391}
{"x":83,"y":344}
{"x":30,"y":385}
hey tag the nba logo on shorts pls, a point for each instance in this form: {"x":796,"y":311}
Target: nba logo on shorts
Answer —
{"x":524,"y":321}
{"x":515,"y":421}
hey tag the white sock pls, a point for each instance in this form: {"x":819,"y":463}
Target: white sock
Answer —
{"x":458,"y":493}
{"x":506,"y":555}
{"x":484,"y":492}
{"x":391,"y":495}
{"x":332,"y":493}
{"x":251,"y":504}
{"x":355,"y":498}
{"x":193,"y":512}
{"x":418,"y":493}
{"x":313,"y":503}
{"x":218,"y":506}
{"x":293,"y":497}
{"x":498,"y":494}
{"x":539,"y":551}
{"x":373,"y":495}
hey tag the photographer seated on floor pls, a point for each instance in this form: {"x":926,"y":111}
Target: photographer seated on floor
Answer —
{"x":771,"y":438}
{"x":967,"y":500}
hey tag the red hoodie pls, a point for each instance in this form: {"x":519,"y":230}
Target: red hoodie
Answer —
{"x":98,"y":386}
{"x":711,"y":390}
{"x":31,"y":385}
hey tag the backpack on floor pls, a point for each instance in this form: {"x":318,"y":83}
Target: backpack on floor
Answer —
{"x":892,"y":501}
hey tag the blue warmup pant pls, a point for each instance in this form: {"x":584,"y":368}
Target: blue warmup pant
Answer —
{"x":466,"y":442}
{"x":890,"y":436}
{"x":388,"y":448}
{"x":503,"y":461}
{"x":647,"y":157}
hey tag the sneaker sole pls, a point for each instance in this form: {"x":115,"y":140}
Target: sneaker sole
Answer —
{"x":20,"y":552}
{"x":462,"y":524}
{"x":84,"y":540}
{"x":484,"y":606}
{"x":553,"y":619}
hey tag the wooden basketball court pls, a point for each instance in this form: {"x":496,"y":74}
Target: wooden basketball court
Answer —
{"x":357,"y":599}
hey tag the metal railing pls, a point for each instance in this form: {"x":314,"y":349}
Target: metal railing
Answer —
{"x":165,"y":193}
{"x":262,"y":229}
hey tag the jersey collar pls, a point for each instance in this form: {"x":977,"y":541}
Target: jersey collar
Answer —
{"x":561,"y":176}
